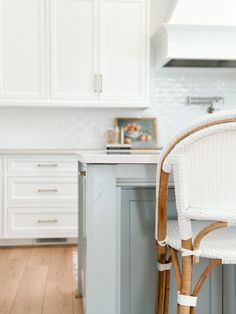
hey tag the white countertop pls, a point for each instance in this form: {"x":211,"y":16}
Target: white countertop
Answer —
{"x":38,"y":151}
{"x":94,"y":156}
{"x":129,"y":157}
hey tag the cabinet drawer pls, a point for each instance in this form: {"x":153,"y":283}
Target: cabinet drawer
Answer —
{"x":42,"y":191}
{"x":42,"y":224}
{"x":42,"y":164}
{"x":1,"y":207}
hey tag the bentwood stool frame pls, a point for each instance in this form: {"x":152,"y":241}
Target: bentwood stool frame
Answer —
{"x":203,"y":161}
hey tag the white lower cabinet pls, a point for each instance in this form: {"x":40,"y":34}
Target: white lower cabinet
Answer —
{"x":1,"y":207}
{"x":40,"y":196}
{"x":41,"y":165}
{"x":38,"y":222}
{"x":42,"y":190}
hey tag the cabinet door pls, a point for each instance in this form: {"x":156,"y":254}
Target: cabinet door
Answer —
{"x":1,"y":207}
{"x":22,"y":49}
{"x":41,"y":222}
{"x":73,"y":49}
{"x":138,"y":259}
{"x":123,"y":50}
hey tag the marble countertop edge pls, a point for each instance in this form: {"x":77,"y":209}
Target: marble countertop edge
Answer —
{"x":93,"y":156}
{"x":129,"y":157}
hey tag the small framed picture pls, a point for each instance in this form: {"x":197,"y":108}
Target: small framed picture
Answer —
{"x":141,"y":133}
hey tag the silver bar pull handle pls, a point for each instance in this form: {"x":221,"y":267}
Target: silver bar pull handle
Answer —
{"x":47,"y":190}
{"x":47,"y":221}
{"x":95,"y":83}
{"x":101,"y":84}
{"x":47,"y":165}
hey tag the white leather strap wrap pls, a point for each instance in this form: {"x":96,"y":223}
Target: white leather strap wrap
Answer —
{"x":167,"y":166}
{"x":164,"y":267}
{"x":186,"y":300}
{"x":186,"y":252}
{"x":162,"y":242}
{"x":231,"y":223}
{"x":228,"y":261}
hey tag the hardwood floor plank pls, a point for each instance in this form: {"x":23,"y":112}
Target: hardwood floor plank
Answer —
{"x":30,"y":295}
{"x":60,"y":267}
{"x":10,"y":275}
{"x":4,"y":255}
{"x":77,"y":302}
{"x":40,"y":256}
{"x":78,"y":306}
{"x":20,"y":252}
{"x":58,"y":298}
{"x":12,"y":270}
{"x":8,"y":292}
{"x":39,"y":280}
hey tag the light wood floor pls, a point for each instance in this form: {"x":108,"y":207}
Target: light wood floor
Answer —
{"x":38,"y":280}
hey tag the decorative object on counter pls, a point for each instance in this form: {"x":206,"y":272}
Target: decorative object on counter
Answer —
{"x":112,"y":135}
{"x":140,"y":133}
{"x":210,"y":102}
{"x":122,"y":135}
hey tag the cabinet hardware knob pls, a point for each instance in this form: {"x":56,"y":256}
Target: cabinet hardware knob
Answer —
{"x":82,"y":173}
{"x":47,"y":165}
{"x":47,"y":190}
{"x":48,"y":221}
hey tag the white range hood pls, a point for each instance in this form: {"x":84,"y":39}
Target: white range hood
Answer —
{"x":198,"y":33}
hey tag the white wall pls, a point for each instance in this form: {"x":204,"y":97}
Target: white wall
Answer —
{"x":211,"y":12}
{"x":80,"y":128}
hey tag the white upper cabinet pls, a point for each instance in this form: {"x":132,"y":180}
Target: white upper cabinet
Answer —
{"x":22,"y":49}
{"x":81,"y":53}
{"x":73,"y":49}
{"x":123,"y":51}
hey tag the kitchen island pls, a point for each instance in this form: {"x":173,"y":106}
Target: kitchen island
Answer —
{"x":117,"y":257}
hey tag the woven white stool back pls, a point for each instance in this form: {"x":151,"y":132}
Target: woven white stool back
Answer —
{"x":203,"y":161}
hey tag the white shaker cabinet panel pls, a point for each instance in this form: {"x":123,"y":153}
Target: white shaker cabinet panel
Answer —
{"x":124,"y":51}
{"x":43,"y":191}
{"x":1,"y":207}
{"x":74,"y":53}
{"x":73,"y":49}
{"x":41,"y":165}
{"x":1,"y":165}
{"x":22,"y":49}
{"x":41,"y":223}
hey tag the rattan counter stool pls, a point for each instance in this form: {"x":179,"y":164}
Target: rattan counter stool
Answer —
{"x":203,"y":161}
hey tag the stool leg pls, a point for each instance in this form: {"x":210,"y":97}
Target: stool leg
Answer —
{"x":167,"y":292}
{"x":193,"y":310}
{"x":160,"y":298}
{"x":160,"y":292}
{"x":187,"y":272}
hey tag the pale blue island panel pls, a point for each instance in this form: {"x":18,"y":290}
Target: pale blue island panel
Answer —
{"x":117,"y":257}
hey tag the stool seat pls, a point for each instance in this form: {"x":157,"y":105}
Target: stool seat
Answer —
{"x":219,"y":244}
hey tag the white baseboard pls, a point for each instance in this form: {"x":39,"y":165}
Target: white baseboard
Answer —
{"x":25,"y":242}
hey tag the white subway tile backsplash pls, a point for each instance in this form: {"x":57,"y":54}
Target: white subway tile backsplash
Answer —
{"x":171,"y":87}
{"x":84,"y":129}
